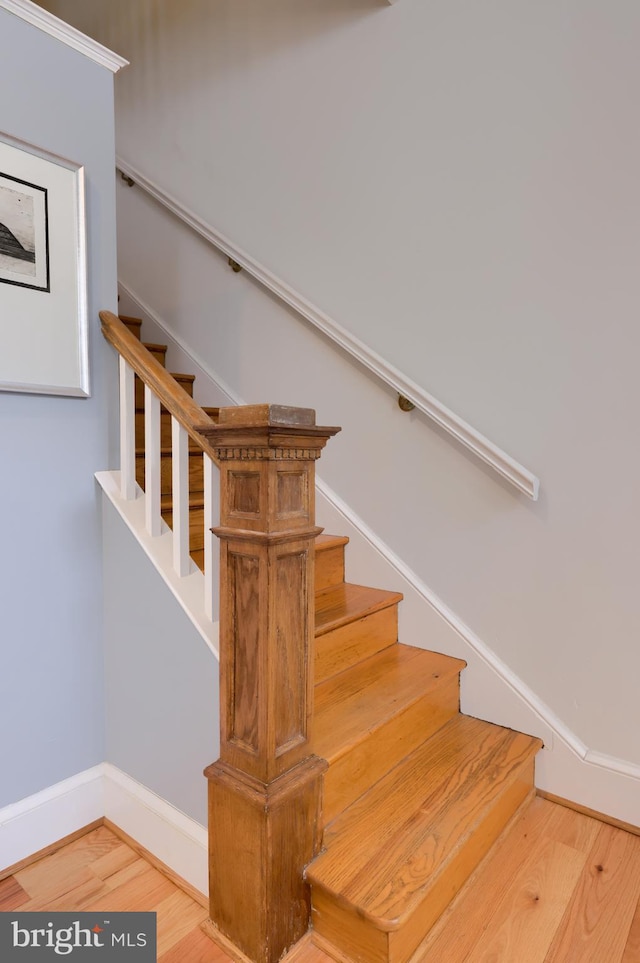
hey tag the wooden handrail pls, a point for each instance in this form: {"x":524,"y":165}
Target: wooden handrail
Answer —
{"x":174,"y":398}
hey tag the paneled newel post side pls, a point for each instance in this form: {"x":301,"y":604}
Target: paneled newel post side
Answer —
{"x":265,"y":790}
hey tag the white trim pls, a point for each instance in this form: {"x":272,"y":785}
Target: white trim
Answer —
{"x":468,"y":436}
{"x":620,"y":766}
{"x":174,"y":341}
{"x":180,"y":498}
{"x":42,"y":819}
{"x":127,"y":429}
{"x":59,"y":30}
{"x":37,"y":821}
{"x":152,"y":483}
{"x":176,"y":839}
{"x":188,"y":590}
{"x":508,"y":677}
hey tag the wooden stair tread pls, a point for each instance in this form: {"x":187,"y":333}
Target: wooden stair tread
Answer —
{"x":325,"y":542}
{"x":387,"y":851}
{"x":343,"y":603}
{"x":352,"y":705}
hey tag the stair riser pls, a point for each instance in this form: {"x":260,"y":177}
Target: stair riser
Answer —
{"x":196,"y":472}
{"x":347,"y":935}
{"x":165,"y":430}
{"x":356,"y":770}
{"x":159,"y":352}
{"x":344,"y":928}
{"x":329,"y":567}
{"x":133,"y":324}
{"x":186,"y":383}
{"x":196,"y":527}
{"x":341,"y":648}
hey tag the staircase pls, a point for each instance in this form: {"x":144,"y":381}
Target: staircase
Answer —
{"x":415,"y":793}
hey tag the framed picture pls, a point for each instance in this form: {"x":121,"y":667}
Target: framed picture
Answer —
{"x":43,"y":287}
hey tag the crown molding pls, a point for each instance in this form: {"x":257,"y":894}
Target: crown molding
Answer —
{"x":59,"y":30}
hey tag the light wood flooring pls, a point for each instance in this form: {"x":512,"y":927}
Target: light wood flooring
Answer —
{"x":559,"y":887}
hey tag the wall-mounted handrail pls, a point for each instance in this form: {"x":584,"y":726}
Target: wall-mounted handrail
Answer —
{"x":502,"y":463}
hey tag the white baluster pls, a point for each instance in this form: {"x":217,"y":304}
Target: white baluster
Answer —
{"x":127,"y":431}
{"x":152,"y":462}
{"x":180,"y":497}
{"x":211,"y":553}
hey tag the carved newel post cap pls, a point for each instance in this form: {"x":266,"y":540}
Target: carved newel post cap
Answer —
{"x":266,"y":416}
{"x":253,"y":427}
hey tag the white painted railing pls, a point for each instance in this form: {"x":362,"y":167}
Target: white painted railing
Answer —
{"x":155,"y":527}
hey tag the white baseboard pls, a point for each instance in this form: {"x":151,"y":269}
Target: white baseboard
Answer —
{"x":38,"y":821}
{"x":179,"y":841}
{"x":33,"y":823}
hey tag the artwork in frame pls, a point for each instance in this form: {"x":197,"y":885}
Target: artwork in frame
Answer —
{"x":43,"y":285}
{"x":24,"y":235}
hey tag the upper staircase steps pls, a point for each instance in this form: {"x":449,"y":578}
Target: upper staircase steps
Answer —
{"x":415,"y":793}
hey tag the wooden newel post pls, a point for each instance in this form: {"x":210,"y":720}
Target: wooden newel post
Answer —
{"x":265,"y":790}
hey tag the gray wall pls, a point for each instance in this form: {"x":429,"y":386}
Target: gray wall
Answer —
{"x":51,"y":675}
{"x":456,"y":184}
{"x":161,"y":679}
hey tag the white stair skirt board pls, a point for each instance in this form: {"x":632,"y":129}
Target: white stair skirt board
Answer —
{"x":189,"y":590}
{"x":44,"y":818}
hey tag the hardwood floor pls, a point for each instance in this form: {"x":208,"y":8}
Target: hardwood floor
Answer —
{"x":559,"y":887}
